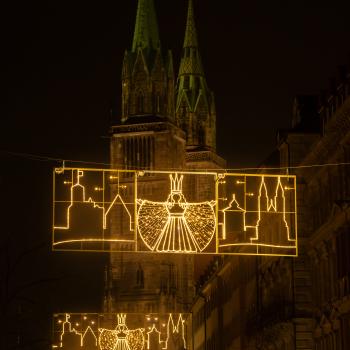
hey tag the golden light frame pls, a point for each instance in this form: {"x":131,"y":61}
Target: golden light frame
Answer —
{"x":178,"y":212}
{"x":121,"y":331}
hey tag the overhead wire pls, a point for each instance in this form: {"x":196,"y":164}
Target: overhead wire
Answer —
{"x":36,"y":157}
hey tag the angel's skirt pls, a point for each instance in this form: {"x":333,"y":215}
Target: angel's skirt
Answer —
{"x":122,"y":344}
{"x":176,"y":237}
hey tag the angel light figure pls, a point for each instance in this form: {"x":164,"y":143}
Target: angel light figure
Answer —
{"x":121,"y":338}
{"x":175,"y":225}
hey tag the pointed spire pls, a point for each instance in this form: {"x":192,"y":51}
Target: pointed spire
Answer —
{"x":147,"y":78}
{"x":191,"y":33}
{"x":191,"y":62}
{"x":195,"y":108}
{"x":146,"y":28}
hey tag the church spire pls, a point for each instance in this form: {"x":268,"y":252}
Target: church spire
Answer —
{"x":191,"y":33}
{"x":195,"y":107}
{"x":191,"y":61}
{"x":147,"y":76}
{"x":146,"y":28}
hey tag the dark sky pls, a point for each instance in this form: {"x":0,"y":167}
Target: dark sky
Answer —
{"x":64,"y":66}
{"x":62,"y":76}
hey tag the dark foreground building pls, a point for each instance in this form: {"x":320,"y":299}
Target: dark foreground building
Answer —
{"x":242,"y":302}
{"x":303,"y":302}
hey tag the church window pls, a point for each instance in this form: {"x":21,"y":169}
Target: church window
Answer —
{"x":158,"y":103}
{"x":156,"y":100}
{"x":140,"y":102}
{"x":201,"y":135}
{"x":138,"y":152}
{"x":125,"y":106}
{"x":140,"y":277}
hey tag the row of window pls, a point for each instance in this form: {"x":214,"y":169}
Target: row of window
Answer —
{"x":138,"y":152}
{"x":141,"y":105}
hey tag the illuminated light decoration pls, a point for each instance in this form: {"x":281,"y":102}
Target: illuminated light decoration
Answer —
{"x":175,"y":225}
{"x":67,"y":330}
{"x":93,"y":240}
{"x":89,"y":331}
{"x":69,"y":336}
{"x":78,"y":196}
{"x":78,"y":190}
{"x":268,"y":233}
{"x":77,"y":185}
{"x":153,"y":334}
{"x":167,"y":334}
{"x":120,"y":199}
{"x":232,"y":207}
{"x":177,"y":328}
{"x":276,"y":205}
{"x":249,"y":214}
{"x":121,"y":338}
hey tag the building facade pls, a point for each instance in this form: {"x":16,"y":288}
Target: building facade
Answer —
{"x":166,"y":124}
{"x":241,"y":302}
{"x":292,"y":303}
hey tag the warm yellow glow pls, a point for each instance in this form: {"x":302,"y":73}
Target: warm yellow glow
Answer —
{"x":244,"y":211}
{"x":272,"y":205}
{"x":121,"y":338}
{"x":231,"y":204}
{"x":176,"y":328}
{"x":73,"y":188}
{"x":171,"y":335}
{"x":268,"y":226}
{"x":175,"y":225}
{"x":67,"y":329}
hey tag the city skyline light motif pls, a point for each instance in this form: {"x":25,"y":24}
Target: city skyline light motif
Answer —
{"x":121,"y":331}
{"x":250,"y":214}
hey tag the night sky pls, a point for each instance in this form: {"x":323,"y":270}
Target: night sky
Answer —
{"x":62,"y":76}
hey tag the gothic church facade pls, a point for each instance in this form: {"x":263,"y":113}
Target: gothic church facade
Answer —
{"x":166,"y":124}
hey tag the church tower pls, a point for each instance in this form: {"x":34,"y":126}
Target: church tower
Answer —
{"x":159,"y":129}
{"x":195,"y":105}
{"x":195,"y":111}
{"x":147,"y":137}
{"x":147,"y":76}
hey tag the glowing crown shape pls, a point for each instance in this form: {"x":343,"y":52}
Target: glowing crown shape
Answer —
{"x":176,"y":183}
{"x":121,"y":318}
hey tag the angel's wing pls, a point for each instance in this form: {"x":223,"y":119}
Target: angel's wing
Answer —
{"x":152,"y":217}
{"x":136,"y":339}
{"x":200,"y":219}
{"x":107,"y":339}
